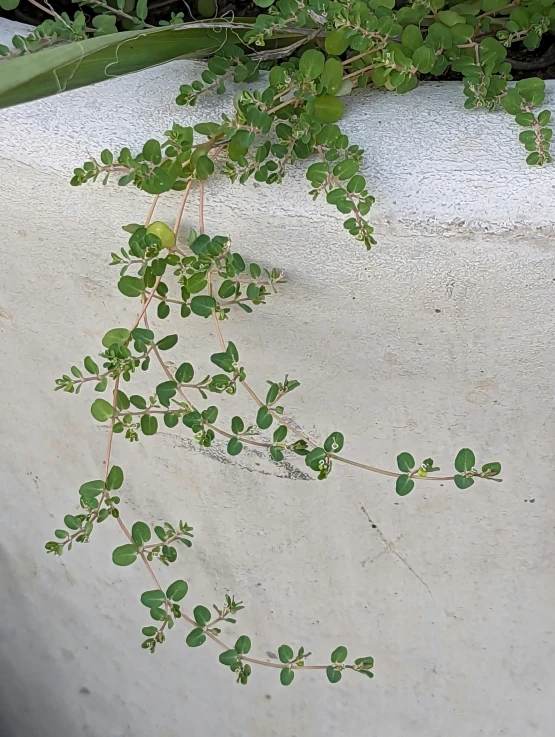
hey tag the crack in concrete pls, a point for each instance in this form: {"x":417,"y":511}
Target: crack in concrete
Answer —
{"x":389,"y":546}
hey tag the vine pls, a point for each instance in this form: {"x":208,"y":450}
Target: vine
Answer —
{"x":204,"y":277}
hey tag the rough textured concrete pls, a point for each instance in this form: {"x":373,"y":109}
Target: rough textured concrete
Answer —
{"x":439,"y":338}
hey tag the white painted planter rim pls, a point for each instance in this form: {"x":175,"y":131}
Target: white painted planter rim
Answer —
{"x":430,"y":163}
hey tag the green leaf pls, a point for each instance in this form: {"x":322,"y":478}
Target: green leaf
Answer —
{"x":367,"y":660}
{"x":405,"y":462}
{"x":177,"y":590}
{"x":71,"y":522}
{"x":149,"y":631}
{"x":195,"y":637}
{"x":450,"y":18}
{"x":462,"y":33}
{"x":166,"y":391}
{"x":210,"y":414}
{"x":328,"y":109}
{"x":525,"y":119}
{"x":465,"y":460}
{"x":334,"y":676}
{"x":145,"y":336}
{"x":512,"y":102}
{"x":152,"y":151}
{"x":332,"y":76}
{"x":280,"y":434}
{"x":345,"y":169}
{"x":492,"y":469}
{"x":207,"y":129}
{"x":9,"y":4}
{"x":101,"y":410}
{"x":228,"y":657}
{"x":334,"y":443}
{"x":73,"y":65}
{"x":91,"y":366}
{"x":223,"y":361}
{"x":412,"y":37}
{"x":234,"y":447}
{"x":491,"y":48}
{"x":285,"y":654}
{"x":138,"y":401}
{"x":203,"y":305}
{"x":404,"y":485}
{"x":339,"y":655}
{"x":185,"y":373}
{"x":277,"y":454}
{"x":312,"y":64}
{"x":140,"y":532}
{"x":286,"y":676}
{"x":227,"y":289}
{"x":264,"y":418}
{"x":153,"y":599}
{"x":168,"y":342}
{"x":171,"y":420}
{"x":263,"y":3}
{"x":197,"y":282}
{"x":131,"y":286}
{"x":336,"y":42}
{"x":202,"y":615}
{"x":544,"y":117}
{"x":125,"y":555}
{"x":91,"y":488}
{"x":237,"y":425}
{"x":158,"y":614}
{"x":243,"y":645}
{"x":463,"y":482}
{"x":314,"y":458}
{"x":205,"y":167}
{"x":116,"y":335}
{"x":424,"y":59}
{"x":149,"y":424}
{"x":114,"y":480}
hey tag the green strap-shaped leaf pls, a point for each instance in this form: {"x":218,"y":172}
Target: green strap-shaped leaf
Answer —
{"x":78,"y":64}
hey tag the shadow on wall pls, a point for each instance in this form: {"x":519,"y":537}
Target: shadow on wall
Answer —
{"x":26,"y":707}
{"x":29,"y":704}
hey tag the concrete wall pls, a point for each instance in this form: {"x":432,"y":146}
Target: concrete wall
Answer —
{"x":440,"y":337}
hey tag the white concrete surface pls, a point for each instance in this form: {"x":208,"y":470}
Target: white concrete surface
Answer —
{"x":439,"y":338}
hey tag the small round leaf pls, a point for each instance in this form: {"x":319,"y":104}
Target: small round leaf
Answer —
{"x":463,"y":482}
{"x":405,"y":462}
{"x":334,"y":676}
{"x":404,"y":485}
{"x":339,"y":655}
{"x":177,"y":590}
{"x":465,"y":460}
{"x":140,"y":532}
{"x":195,"y":637}
{"x":286,"y":676}
{"x":153,"y":599}
{"x":101,"y":410}
{"x":202,"y":615}
{"x":125,"y":555}
{"x":243,"y":645}
{"x":228,"y":657}
{"x":285,"y":654}
{"x":312,"y":64}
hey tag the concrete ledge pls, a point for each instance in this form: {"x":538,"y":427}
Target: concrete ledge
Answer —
{"x":429,"y":162}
